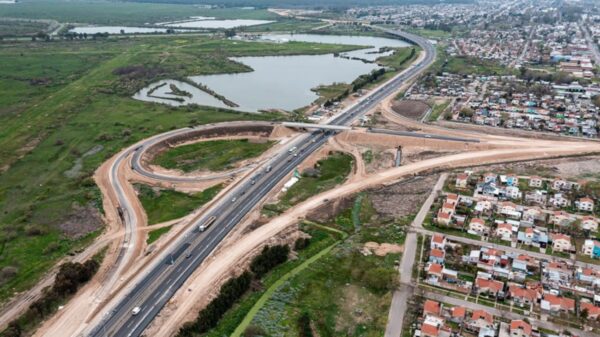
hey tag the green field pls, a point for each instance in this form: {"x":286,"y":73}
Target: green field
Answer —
{"x":163,"y":205}
{"x":21,"y":27}
{"x":121,"y":13}
{"x":153,"y":235}
{"x":328,"y":173}
{"x":65,"y":108}
{"x":215,"y":155}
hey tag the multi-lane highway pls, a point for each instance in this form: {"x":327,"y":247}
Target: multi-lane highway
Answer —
{"x":156,"y":287}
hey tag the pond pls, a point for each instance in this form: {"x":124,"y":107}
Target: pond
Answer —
{"x":116,"y":30}
{"x":276,"y":82}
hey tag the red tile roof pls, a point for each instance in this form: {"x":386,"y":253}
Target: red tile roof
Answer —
{"x":519,"y":324}
{"x":437,"y":253}
{"x":482,"y":314}
{"x":431,"y":307}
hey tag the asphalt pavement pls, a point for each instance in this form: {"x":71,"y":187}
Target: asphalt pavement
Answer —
{"x":165,"y":278}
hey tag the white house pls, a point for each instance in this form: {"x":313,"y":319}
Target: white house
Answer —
{"x":478,"y":226}
{"x":585,"y":204}
{"x":561,"y":242}
{"x":589,"y":223}
{"x":536,"y":181}
{"x":504,"y":231}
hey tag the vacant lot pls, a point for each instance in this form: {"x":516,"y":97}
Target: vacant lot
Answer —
{"x":215,"y":155}
{"x":163,"y":205}
{"x":410,"y":109}
{"x":60,"y":100}
{"x":326,"y":174}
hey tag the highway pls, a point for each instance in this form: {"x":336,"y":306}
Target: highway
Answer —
{"x":423,"y":135}
{"x":166,"y":276}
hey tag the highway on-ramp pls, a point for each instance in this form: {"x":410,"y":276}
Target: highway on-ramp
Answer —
{"x":164,"y":278}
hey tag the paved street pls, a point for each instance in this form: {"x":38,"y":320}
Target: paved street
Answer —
{"x":501,"y":313}
{"x":401,"y":296}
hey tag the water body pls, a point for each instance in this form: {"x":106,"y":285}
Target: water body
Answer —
{"x":370,"y":54}
{"x":116,"y":30}
{"x":279,"y":82}
{"x":210,"y":23}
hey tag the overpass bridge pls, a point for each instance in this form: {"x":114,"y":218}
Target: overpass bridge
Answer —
{"x":315,"y":126}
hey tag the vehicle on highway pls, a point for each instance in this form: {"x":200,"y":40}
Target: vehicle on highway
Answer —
{"x":292,"y":149}
{"x":188,"y":255}
{"x":233,"y":199}
{"x":207,"y":223}
{"x":136,"y":311}
{"x":268,"y":169}
{"x":252,"y":182}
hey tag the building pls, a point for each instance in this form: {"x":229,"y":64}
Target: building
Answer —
{"x":490,"y":177}
{"x":462,"y":181}
{"x":477,"y":226}
{"x":481,"y":319}
{"x":536,"y":181}
{"x":585,"y":204}
{"x":519,"y":328}
{"x":443,"y":218}
{"x":431,"y":308}
{"x":589,"y":223}
{"x":438,"y":241}
{"x":558,"y":200}
{"x":522,"y":296}
{"x":593,"y":311}
{"x":488,"y":286}
{"x":504,"y":231}
{"x":554,"y":303}
{"x":561,"y":242}
{"x":591,"y":248}
{"x":437,"y":256}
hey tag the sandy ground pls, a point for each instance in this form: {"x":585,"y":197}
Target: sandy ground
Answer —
{"x":381,"y":249}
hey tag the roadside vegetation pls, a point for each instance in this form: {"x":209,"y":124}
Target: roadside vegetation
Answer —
{"x":326,"y":174}
{"x":66,"y":107}
{"x":70,"y":277}
{"x":155,"y":234}
{"x":214,"y":155}
{"x":163,"y":205}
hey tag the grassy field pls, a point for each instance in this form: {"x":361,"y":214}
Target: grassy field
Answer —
{"x":153,"y":235}
{"x":321,"y":239}
{"x":121,"y":13}
{"x":163,"y":205}
{"x":437,"y":110}
{"x":331,"y":171}
{"x":215,"y":155}
{"x":342,"y":294}
{"x":463,"y":65}
{"x":61,"y":100}
{"x":21,"y":27}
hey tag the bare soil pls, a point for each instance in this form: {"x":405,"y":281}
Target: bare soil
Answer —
{"x":83,"y":220}
{"x":403,"y":198}
{"x":410,"y":108}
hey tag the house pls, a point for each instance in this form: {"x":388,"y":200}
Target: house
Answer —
{"x":488,"y":286}
{"x":561,"y":218}
{"x":448,"y":208}
{"x":477,"y":226}
{"x":559,"y":200}
{"x":560,"y":242}
{"x":434,"y":326}
{"x":589,"y":223}
{"x":504,"y":231}
{"x":438,"y":241}
{"x":558,"y":272}
{"x":513,"y":192}
{"x":554,"y":303}
{"x":457,"y":314}
{"x":462,"y":181}
{"x":591,"y":248}
{"x":452,"y":198}
{"x":512,"y":180}
{"x":536,"y":181}
{"x":531,"y":214}
{"x":537,"y":197}
{"x":522,"y":296}
{"x":490,"y":177}
{"x":509,"y":209}
{"x":558,"y":184}
{"x":437,"y":256}
{"x":481,"y":319}
{"x":434,"y":272}
{"x":483,"y":206}
{"x":443,"y":218}
{"x":431,"y":308}
{"x":585,"y":204}
{"x":520,"y":328}
{"x":592,"y":310}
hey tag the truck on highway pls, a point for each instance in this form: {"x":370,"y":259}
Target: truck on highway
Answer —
{"x":136,"y":311}
{"x":207,"y":223}
{"x":292,"y":149}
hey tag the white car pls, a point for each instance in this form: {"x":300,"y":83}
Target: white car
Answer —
{"x":136,"y":311}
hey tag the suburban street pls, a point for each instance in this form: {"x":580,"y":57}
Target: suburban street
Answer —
{"x":401,"y":296}
{"x":167,"y":276}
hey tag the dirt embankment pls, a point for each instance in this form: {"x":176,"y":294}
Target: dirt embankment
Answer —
{"x":410,"y":108}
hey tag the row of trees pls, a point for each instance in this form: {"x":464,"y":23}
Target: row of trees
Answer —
{"x":363,"y":80}
{"x":70,"y":277}
{"x":234,"y":289}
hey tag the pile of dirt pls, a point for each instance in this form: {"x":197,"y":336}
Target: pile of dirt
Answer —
{"x":381,"y":249}
{"x":82,"y":220}
{"x":403,"y":198}
{"x":380,"y":122}
{"x":410,"y":108}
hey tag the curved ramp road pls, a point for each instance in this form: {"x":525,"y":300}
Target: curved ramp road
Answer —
{"x":155,"y":288}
